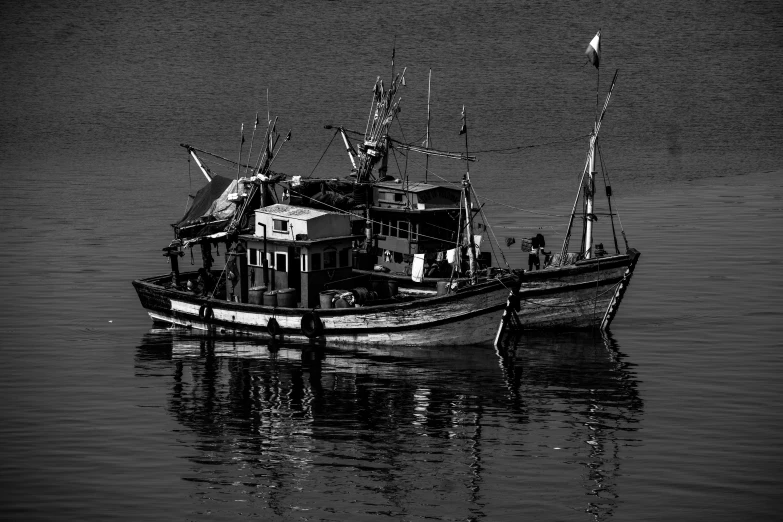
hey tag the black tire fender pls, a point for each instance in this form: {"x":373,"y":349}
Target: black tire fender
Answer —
{"x":206,"y":312}
{"x":273,"y":327}
{"x":312,"y":325}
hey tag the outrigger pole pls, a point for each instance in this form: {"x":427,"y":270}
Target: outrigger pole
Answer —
{"x":204,"y":169}
{"x":242,"y":142}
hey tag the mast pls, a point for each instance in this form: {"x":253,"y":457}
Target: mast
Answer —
{"x":427,"y":139}
{"x":589,"y":193}
{"x":593,"y":56}
{"x":468,"y":209}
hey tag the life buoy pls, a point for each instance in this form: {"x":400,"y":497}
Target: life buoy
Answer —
{"x":206,"y":312}
{"x":272,"y":327}
{"x":312,"y":325}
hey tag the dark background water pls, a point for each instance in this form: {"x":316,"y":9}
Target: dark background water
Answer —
{"x":675,"y":415}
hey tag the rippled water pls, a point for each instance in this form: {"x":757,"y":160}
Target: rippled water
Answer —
{"x":672,"y":416}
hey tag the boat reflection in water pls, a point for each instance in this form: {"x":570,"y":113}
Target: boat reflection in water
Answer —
{"x":539,"y":426}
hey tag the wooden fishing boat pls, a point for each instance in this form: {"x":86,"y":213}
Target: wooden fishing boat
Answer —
{"x":368,"y":259}
{"x":580,"y":289}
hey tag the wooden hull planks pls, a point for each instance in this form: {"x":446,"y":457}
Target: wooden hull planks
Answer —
{"x":467,"y":317}
{"x":577,"y":296}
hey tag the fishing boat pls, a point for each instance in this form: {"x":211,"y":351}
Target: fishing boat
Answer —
{"x":368,"y":259}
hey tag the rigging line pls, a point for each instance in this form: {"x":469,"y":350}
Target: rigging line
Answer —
{"x":542,"y":227}
{"x":519,"y":148}
{"x":515,"y":150}
{"x":219,"y":157}
{"x":405,"y":175}
{"x":324,"y":154}
{"x":458,"y":185}
{"x":606,"y":174}
{"x":486,"y":222}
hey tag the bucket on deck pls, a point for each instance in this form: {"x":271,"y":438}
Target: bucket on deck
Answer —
{"x":381,"y":288}
{"x":255,"y":295}
{"x":443,"y":287}
{"x":286,"y":298}
{"x":270,"y":298}
{"x":360,"y":295}
{"x":326,"y":298}
{"x":392,"y":288}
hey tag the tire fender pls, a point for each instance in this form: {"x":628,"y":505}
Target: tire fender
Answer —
{"x":312,"y":325}
{"x":273,"y":327}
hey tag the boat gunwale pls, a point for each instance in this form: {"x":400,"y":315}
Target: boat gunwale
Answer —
{"x":491,"y":285}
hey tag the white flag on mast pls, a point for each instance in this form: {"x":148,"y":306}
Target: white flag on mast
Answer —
{"x":594,"y":50}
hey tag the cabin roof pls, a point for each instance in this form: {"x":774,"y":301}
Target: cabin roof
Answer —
{"x":296,"y":212}
{"x":413,"y":187}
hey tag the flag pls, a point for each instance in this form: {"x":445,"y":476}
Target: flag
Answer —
{"x":464,"y":128}
{"x":594,"y":50}
{"x":256,"y":125}
{"x":288,"y":137}
{"x":243,"y":133}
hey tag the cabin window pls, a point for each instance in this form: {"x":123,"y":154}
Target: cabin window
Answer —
{"x":315,"y":262}
{"x":330,"y":259}
{"x":414,"y":231}
{"x":376,"y":227}
{"x":344,"y":257}
{"x":398,"y":257}
{"x":281,"y":261}
{"x":398,"y":198}
{"x":280,"y":225}
{"x":252,"y":257}
{"x":385,"y":227}
{"x":403,"y":229}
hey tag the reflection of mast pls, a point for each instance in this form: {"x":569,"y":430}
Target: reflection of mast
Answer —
{"x":589,"y":376}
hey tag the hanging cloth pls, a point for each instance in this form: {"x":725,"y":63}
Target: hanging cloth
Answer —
{"x":417,"y":270}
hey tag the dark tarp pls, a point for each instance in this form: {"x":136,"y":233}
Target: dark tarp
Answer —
{"x":204,"y":199}
{"x":197,"y":221}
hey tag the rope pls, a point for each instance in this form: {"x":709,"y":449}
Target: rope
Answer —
{"x":522,"y":147}
{"x":606,"y":175}
{"x":324,"y":154}
{"x":486,"y":222}
{"x":458,"y":185}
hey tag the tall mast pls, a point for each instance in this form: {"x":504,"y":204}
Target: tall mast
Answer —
{"x":427,"y":139}
{"x":468,"y":209}
{"x":593,"y":56}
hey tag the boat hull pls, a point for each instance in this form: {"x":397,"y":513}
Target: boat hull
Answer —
{"x":467,"y":317}
{"x":587,"y":294}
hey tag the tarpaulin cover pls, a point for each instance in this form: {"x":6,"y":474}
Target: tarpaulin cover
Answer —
{"x":205,"y":199}
{"x":210,"y":211}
